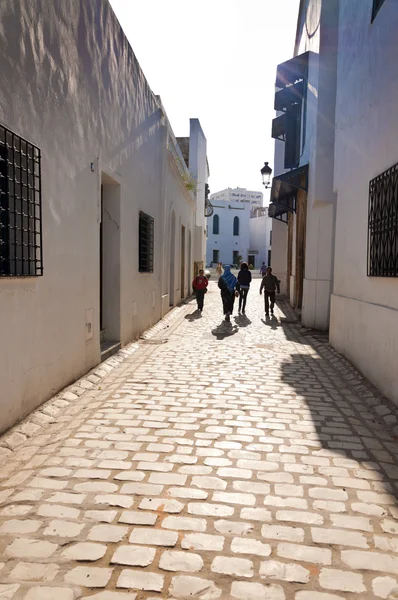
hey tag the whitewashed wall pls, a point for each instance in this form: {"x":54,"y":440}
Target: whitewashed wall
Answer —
{"x":75,"y":89}
{"x":225,"y":241}
{"x":260,"y":237}
{"x":364,"y":317}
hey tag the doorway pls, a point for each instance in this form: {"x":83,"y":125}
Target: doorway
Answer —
{"x":172,"y":259}
{"x":251,"y":259}
{"x":269,"y":258}
{"x":109,"y":267}
{"x":182,"y":262}
{"x":189,"y":261}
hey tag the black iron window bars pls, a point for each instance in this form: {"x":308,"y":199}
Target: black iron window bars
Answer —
{"x":146,"y":243}
{"x":383,"y":224}
{"x":21,"y":252}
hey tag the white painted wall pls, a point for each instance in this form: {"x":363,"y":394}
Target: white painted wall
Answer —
{"x":199,"y":169}
{"x":75,"y":89}
{"x":260,"y":238}
{"x":230,"y":203}
{"x":364,"y":316}
{"x":225,"y":241}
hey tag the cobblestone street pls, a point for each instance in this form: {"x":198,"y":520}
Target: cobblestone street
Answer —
{"x":244,"y":460}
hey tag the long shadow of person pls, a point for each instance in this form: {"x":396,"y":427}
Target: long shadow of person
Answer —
{"x":224,"y":330}
{"x":356,"y":450}
{"x":193,"y":316}
{"x":242,"y":321}
{"x":271,"y":322}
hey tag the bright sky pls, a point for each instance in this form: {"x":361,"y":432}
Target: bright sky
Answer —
{"x":216,"y":60}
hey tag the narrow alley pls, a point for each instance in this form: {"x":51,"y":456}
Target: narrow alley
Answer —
{"x":217,"y":460}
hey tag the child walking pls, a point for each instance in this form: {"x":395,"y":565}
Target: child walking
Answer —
{"x":200,"y":284}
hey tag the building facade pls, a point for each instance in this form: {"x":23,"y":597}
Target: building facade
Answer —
{"x":97,"y":221}
{"x":260,"y":231}
{"x":364,"y":304}
{"x":334,"y":196}
{"x":228,"y":231}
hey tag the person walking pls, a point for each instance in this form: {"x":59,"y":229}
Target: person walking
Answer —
{"x":263,"y":269}
{"x":244,"y":280}
{"x":227,"y":284}
{"x":200,"y":284}
{"x":270,"y":283}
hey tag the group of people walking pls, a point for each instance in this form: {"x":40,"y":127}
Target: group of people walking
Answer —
{"x":232,"y":287}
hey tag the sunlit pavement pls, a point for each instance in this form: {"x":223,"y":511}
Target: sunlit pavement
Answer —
{"x":244,"y":460}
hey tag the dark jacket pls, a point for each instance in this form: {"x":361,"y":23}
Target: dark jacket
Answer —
{"x":244,"y":277}
{"x":270,"y":283}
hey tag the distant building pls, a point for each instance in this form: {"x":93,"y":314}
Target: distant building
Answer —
{"x":237,"y":231}
{"x":260,"y":231}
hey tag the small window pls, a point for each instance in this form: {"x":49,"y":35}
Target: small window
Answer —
{"x":216,"y":225}
{"x":216,"y":254}
{"x":383,"y":225}
{"x":20,"y":207}
{"x":146,"y":243}
{"x":377,"y":4}
{"x":236,"y":225}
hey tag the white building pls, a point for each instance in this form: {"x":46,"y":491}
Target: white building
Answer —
{"x":302,"y":195}
{"x":335,"y":233}
{"x":260,"y":231}
{"x":364,"y":312}
{"x":97,"y":220}
{"x":228,"y":229}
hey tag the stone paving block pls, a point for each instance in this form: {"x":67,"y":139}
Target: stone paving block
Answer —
{"x":84,"y":551}
{"x":256,"y":591}
{"x":284,"y":571}
{"x":8,"y":591}
{"x":185,"y":586}
{"x":139,"y":580}
{"x":90,"y":577}
{"x":34,"y":572}
{"x":154,"y":537}
{"x":134,"y":556}
{"x":49,"y":593}
{"x":67,"y":529}
{"x":180,"y":561}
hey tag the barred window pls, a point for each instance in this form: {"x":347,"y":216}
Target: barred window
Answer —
{"x":20,"y":207}
{"x":383,"y":225}
{"x":146,"y":243}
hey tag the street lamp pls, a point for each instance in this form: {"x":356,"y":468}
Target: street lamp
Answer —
{"x":266,"y":172}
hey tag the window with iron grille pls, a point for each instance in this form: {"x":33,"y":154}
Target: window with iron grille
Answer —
{"x":20,"y":207}
{"x":377,"y":4}
{"x":146,"y":243}
{"x":383,"y":225}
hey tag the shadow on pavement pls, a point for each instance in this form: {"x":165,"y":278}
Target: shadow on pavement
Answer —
{"x":272,"y":322}
{"x":194,"y":316}
{"x":356,"y":451}
{"x":242,"y":321}
{"x":225,"y":330}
